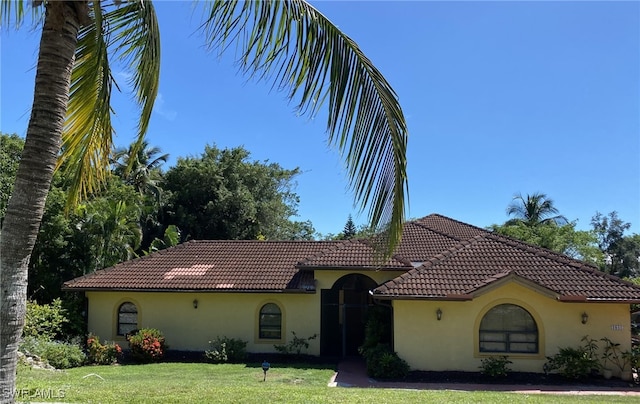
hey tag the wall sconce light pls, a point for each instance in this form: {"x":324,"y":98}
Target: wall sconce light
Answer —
{"x":439,"y":314}
{"x":585,"y":318}
{"x":195,"y":303}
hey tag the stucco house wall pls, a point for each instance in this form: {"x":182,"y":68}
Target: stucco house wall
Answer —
{"x":452,"y":343}
{"x":233,"y":315}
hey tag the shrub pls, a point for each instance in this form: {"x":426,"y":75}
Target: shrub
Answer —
{"x":296,"y":345}
{"x":147,"y":345}
{"x":226,"y":350}
{"x":44,"y":321}
{"x":102,"y":354}
{"x":572,"y":363}
{"x":60,"y":355}
{"x":495,"y":366}
{"x":383,"y":363}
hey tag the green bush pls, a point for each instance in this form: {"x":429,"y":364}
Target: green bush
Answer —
{"x":44,"y":321}
{"x":147,"y":345}
{"x":383,"y":363}
{"x":495,"y":366}
{"x":572,"y":363}
{"x":60,"y":355}
{"x":226,"y":350}
{"x":102,"y":354}
{"x":296,"y":345}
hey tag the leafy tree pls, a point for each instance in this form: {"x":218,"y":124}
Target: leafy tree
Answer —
{"x":222,"y":195}
{"x":564,"y":239}
{"x":534,"y":210}
{"x":622,"y":253}
{"x":171,"y":238}
{"x":139,"y":166}
{"x":10,"y":150}
{"x":305,"y":53}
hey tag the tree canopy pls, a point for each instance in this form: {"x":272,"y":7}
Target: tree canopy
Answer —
{"x":224,"y":195}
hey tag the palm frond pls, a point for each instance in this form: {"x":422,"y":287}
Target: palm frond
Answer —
{"x":87,"y":138}
{"x":302,"y":52}
{"x":131,"y":31}
{"x":137,"y":39}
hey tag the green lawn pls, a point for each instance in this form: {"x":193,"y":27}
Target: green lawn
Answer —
{"x":207,"y":383}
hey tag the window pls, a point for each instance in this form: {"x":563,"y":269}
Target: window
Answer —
{"x":508,"y":328}
{"x":270,"y":321}
{"x":127,"y":318}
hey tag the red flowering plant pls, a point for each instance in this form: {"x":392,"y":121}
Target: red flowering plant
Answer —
{"x":102,"y":354}
{"x":147,"y":345}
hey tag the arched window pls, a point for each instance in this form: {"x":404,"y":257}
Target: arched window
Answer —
{"x":127,"y":318}
{"x":508,"y":328}
{"x":270,"y":321}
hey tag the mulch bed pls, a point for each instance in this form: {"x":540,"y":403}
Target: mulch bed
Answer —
{"x":522,"y":378}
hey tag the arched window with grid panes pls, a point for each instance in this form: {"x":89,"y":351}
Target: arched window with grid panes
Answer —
{"x":508,"y":329}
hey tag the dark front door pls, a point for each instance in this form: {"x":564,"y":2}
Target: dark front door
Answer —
{"x":343,"y":316}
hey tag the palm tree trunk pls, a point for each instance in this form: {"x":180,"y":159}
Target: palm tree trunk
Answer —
{"x":33,"y":178}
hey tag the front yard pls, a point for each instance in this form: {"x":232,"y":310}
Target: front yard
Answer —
{"x":206,"y":383}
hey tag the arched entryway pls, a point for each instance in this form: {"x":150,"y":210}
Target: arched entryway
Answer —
{"x":343,"y":316}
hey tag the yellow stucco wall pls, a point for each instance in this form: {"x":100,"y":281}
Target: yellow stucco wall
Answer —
{"x":326,"y":278}
{"x":233,"y":315}
{"x":452,"y":343}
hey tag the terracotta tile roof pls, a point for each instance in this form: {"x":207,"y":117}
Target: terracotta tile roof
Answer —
{"x":212,"y":265}
{"x":485,"y":259}
{"x":441,"y":258}
{"x":351,"y":254}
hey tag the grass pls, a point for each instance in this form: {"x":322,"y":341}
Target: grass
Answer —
{"x":201,"y":382}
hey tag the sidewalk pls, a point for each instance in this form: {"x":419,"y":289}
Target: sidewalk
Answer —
{"x":352,"y":373}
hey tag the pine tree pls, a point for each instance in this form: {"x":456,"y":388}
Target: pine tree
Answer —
{"x":349,"y":229}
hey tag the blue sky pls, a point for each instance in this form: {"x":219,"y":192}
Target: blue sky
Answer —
{"x":500,"y":98}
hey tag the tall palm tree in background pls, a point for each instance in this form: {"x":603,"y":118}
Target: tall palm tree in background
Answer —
{"x":534,"y":210}
{"x":139,"y":166}
{"x":288,"y":42}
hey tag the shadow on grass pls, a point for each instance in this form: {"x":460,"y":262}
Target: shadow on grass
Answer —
{"x":254,"y":360}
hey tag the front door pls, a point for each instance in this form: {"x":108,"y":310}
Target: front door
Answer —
{"x":343,"y":316}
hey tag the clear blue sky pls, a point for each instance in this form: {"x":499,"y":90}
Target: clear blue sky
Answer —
{"x":500,"y":97}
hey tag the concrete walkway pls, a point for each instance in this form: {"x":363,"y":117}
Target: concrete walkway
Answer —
{"x":352,"y":373}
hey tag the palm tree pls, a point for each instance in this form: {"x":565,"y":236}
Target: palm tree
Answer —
{"x":288,"y":42}
{"x":139,"y":166}
{"x":537,"y":209}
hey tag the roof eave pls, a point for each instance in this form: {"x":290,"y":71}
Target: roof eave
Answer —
{"x":449,"y":297}
{"x":585,"y":299}
{"x":88,"y":289}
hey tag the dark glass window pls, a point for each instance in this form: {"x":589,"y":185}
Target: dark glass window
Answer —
{"x":270,"y":321}
{"x":127,"y":318}
{"x":508,"y":328}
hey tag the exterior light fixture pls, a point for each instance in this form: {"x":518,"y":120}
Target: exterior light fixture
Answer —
{"x":439,"y":314}
{"x":585,"y":318}
{"x":265,"y":367}
{"x":195,"y":303}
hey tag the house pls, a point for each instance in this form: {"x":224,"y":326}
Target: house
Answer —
{"x":455,"y":294}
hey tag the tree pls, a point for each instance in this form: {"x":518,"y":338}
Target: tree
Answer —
{"x":222,"y":195}
{"x":564,"y":239}
{"x":622,"y":253}
{"x":350,"y":230}
{"x":302,"y":50}
{"x":139,"y":166}
{"x":536,"y":209}
{"x":10,"y":150}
